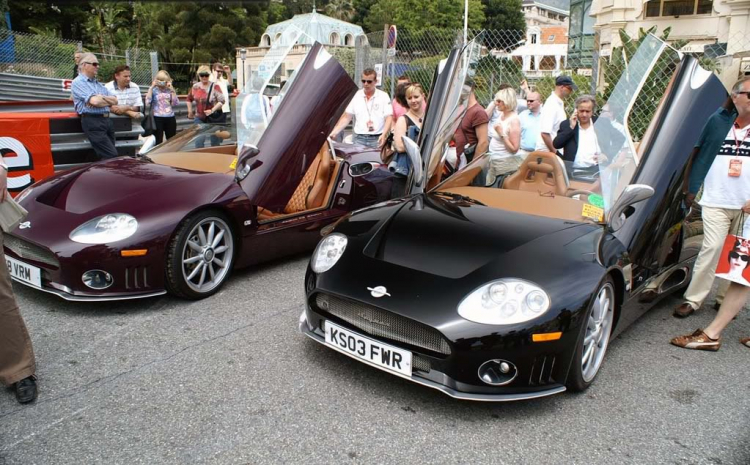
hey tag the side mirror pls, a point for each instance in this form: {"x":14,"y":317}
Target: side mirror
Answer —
{"x":415,"y":157}
{"x":621,"y":210}
{"x":148,"y":143}
{"x":245,"y":162}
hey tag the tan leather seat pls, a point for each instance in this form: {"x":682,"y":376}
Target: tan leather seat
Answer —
{"x":541,"y":173}
{"x":312,"y":191}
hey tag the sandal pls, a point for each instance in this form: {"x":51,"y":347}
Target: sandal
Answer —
{"x":745,"y":341}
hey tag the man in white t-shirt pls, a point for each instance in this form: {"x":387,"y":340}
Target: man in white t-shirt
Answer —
{"x":553,"y":113}
{"x":372,"y":112}
{"x":726,"y":192}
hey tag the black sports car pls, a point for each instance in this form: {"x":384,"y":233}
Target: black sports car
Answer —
{"x":514,"y":293}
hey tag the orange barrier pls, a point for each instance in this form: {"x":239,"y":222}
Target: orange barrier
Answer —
{"x":26,"y":148}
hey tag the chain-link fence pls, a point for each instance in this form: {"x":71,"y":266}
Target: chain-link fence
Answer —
{"x":46,"y":56}
{"x":512,"y":57}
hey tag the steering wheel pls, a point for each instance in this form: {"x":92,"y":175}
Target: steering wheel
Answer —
{"x":580,"y":192}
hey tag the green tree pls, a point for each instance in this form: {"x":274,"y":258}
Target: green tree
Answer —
{"x":341,"y":9}
{"x":504,"y":15}
{"x":423,"y":15}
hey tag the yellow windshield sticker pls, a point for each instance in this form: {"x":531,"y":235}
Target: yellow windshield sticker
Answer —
{"x":595,"y":213}
{"x":234,"y":164}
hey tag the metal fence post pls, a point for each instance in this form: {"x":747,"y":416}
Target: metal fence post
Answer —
{"x":127,"y":57}
{"x":361,"y":56}
{"x":385,"y":55}
{"x":80,"y":46}
{"x":154,"y":64}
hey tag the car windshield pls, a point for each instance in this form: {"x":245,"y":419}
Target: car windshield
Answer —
{"x":255,"y":109}
{"x":623,"y":123}
{"x":543,"y":183}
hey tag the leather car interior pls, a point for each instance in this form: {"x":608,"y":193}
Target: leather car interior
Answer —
{"x":314,"y":190}
{"x":532,"y":203}
{"x":541,"y":172}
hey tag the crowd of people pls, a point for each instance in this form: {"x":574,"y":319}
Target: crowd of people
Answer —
{"x":207,"y":101}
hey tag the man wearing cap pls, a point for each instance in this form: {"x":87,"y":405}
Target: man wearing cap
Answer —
{"x":553,"y":113}
{"x":92,"y":102}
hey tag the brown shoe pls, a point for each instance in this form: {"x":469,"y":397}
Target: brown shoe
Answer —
{"x":684,"y":310}
{"x":698,"y":341}
{"x":745,"y":341}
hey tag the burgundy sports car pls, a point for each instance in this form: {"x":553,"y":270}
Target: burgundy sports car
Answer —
{"x":181,"y":217}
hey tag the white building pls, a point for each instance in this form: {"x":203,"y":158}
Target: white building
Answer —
{"x":328,"y":31}
{"x":546,"y":12}
{"x":719,"y":27}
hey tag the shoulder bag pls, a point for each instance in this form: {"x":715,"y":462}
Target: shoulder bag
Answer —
{"x":217,"y":117}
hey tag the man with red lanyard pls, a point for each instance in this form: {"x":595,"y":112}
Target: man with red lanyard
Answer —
{"x":372,"y":113}
{"x":722,"y":165}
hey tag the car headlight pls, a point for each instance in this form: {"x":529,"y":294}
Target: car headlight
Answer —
{"x":328,"y":252}
{"x":105,"y":229}
{"x":505,"y":301}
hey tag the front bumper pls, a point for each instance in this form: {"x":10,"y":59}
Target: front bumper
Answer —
{"x":441,"y":381}
{"x":134,"y":278}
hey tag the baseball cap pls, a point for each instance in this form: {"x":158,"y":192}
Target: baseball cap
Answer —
{"x":565,"y":81}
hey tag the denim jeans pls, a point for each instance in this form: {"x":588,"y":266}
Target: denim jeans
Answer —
{"x":368,"y":140}
{"x":200,"y":141}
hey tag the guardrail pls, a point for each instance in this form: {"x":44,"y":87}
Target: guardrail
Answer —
{"x":70,"y":147}
{"x":22,"y":88}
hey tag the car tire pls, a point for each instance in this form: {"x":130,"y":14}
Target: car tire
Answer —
{"x":595,"y":337}
{"x":200,"y":255}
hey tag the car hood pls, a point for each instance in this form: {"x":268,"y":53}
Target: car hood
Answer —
{"x":115,"y":185}
{"x":453,"y":237}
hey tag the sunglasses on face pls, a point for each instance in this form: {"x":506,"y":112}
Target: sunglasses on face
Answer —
{"x":735,"y":255}
{"x":367,"y":81}
{"x":92,"y":64}
{"x":204,"y":74}
{"x":746,"y":92}
{"x":530,"y":101}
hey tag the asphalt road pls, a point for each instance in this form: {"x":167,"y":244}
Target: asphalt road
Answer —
{"x":230,"y":380}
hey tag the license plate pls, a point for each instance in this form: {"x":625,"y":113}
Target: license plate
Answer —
{"x":369,"y":350}
{"x":23,"y":272}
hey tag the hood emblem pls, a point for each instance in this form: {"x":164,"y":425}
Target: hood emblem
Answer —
{"x":378,"y":292}
{"x":25,"y":225}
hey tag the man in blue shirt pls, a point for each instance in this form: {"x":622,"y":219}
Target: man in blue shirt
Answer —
{"x":92,"y":101}
{"x":530,"y":123}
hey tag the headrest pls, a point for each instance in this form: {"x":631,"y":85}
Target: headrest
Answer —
{"x":540,"y":167}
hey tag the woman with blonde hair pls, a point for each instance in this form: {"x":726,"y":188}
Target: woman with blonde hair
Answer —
{"x":505,"y":137}
{"x":208,"y":98}
{"x":161,"y":97}
{"x":409,"y":125}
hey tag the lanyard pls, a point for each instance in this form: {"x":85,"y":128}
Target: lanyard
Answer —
{"x":738,"y":143}
{"x":369,"y":108}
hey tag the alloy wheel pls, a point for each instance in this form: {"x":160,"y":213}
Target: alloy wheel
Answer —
{"x":207,"y":254}
{"x":598,"y":331}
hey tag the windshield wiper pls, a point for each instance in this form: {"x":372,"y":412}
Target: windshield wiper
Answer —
{"x":455,"y":196}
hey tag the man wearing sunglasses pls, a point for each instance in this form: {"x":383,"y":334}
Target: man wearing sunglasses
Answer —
{"x":372,"y":112}
{"x":721,"y":163}
{"x":530,"y":123}
{"x":92,"y":102}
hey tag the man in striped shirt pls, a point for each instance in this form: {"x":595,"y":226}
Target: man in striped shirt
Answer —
{"x":92,"y":102}
{"x":129,"y":100}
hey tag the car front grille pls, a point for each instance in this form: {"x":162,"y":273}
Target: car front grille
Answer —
{"x":380,"y":323}
{"x":29,"y":251}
